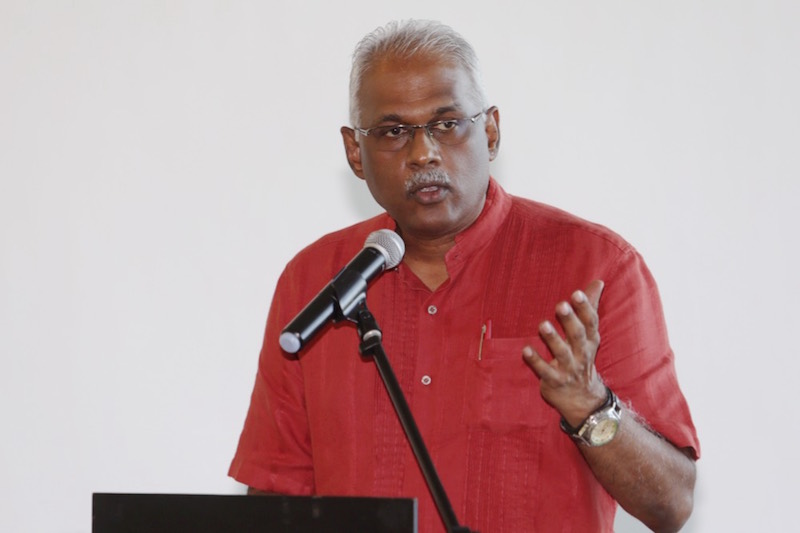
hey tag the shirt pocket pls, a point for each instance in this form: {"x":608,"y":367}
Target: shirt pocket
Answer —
{"x":503,"y":390}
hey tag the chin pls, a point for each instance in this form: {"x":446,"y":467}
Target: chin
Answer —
{"x":436,"y":228}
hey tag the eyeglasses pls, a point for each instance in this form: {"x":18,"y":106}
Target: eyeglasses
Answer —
{"x":449,"y":132}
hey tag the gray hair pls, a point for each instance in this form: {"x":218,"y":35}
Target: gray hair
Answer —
{"x":406,"y":39}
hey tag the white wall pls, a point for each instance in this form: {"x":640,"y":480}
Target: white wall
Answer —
{"x":161,"y":161}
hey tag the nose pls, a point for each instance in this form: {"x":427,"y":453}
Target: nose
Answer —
{"x":423,"y":149}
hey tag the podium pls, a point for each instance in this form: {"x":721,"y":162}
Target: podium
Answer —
{"x":193,"y":513}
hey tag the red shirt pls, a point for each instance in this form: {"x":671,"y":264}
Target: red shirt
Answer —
{"x":324,"y":424}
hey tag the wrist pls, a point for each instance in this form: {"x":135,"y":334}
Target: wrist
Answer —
{"x":582,"y":409}
{"x":601,"y":426}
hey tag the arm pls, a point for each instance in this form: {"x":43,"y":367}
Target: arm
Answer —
{"x":646,"y":474}
{"x":649,"y":477}
{"x":274,"y":452}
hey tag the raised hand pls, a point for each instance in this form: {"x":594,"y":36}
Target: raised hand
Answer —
{"x":569,"y":381}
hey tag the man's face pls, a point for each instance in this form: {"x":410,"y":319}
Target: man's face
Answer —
{"x":432,"y":190}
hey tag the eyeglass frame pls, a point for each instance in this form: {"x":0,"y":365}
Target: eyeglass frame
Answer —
{"x":427,"y":127}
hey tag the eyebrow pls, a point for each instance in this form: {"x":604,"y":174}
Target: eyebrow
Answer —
{"x":394,"y":118}
{"x":389,"y":118}
{"x":447,"y":109}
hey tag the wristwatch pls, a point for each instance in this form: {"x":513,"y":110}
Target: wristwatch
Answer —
{"x":601,"y":426}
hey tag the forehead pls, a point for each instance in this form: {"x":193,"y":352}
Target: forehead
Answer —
{"x":415,"y":89}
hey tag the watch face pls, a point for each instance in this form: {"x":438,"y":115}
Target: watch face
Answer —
{"x":604,"y":431}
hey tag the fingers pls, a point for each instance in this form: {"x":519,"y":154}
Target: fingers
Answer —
{"x":569,"y":381}
{"x":540,"y":367}
{"x":579,"y":316}
{"x":586,"y":321}
{"x":579,"y":321}
{"x":558,"y":347}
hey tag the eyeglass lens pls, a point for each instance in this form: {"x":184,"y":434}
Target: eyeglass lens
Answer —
{"x":447,"y":132}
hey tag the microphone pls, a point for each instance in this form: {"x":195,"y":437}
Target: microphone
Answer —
{"x":383,"y":249}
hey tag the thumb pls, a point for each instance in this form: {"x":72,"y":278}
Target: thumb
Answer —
{"x":593,"y":292}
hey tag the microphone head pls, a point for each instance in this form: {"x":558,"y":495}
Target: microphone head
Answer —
{"x":290,"y":341}
{"x":389,"y":244}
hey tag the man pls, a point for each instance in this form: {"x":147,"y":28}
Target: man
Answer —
{"x":533,"y":424}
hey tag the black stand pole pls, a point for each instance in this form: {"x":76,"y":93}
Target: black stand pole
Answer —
{"x":371,"y":345}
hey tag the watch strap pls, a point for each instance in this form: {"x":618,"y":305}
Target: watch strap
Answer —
{"x":574,"y":431}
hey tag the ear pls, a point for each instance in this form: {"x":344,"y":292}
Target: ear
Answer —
{"x":493,"y":131}
{"x":352,"y":150}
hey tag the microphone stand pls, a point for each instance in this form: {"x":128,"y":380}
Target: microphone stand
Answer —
{"x":371,"y":344}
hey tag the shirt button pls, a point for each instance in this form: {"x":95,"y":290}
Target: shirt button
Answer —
{"x":426,"y":380}
{"x":432,"y":310}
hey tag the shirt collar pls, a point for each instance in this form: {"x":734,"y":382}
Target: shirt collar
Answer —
{"x":477,"y":235}
{"x":481,"y":232}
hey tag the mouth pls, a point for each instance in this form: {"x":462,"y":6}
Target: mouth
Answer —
{"x":428,"y":187}
{"x":428,"y":194}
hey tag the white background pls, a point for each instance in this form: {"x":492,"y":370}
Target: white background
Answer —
{"x":160,"y":161}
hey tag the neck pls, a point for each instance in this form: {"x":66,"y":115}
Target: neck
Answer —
{"x":425,"y":258}
{"x":425,"y":254}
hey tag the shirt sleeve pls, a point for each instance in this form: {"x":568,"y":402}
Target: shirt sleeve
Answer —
{"x":274,"y":451}
{"x":635,"y":358}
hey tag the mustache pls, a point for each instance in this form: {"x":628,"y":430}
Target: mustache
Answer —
{"x":427,"y":178}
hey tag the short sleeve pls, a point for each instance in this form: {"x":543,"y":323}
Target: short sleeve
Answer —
{"x":274,"y":451}
{"x":635,"y":358}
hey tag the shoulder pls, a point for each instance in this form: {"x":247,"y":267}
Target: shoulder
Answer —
{"x":542,"y":222}
{"x":313,"y":267}
{"x":330,"y":252}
